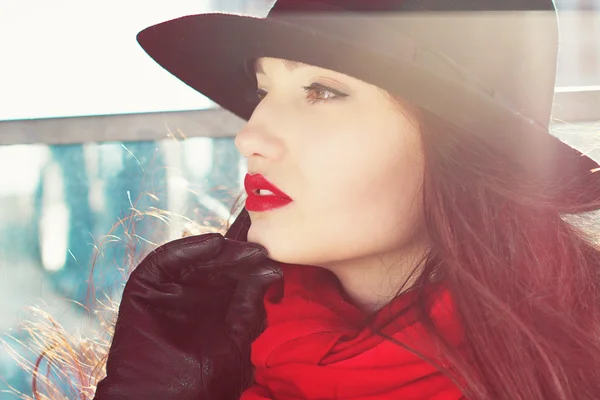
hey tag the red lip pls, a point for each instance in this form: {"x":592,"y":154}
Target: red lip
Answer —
{"x":256,"y":202}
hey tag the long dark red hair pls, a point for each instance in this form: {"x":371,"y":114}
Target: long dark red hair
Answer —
{"x":525,"y":276}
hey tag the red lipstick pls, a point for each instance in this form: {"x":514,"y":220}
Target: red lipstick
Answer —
{"x":263,"y":195}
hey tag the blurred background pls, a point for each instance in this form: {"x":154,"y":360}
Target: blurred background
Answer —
{"x":103,"y":154}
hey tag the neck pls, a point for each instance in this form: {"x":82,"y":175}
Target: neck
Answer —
{"x":372,"y":282}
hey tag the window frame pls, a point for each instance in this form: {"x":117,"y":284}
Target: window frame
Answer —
{"x":573,"y":105}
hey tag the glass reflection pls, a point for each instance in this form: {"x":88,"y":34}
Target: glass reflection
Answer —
{"x":75,"y":218}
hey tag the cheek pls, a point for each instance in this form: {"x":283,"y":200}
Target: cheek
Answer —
{"x":358,"y":198}
{"x":375,"y":206}
{"x":369,"y":175}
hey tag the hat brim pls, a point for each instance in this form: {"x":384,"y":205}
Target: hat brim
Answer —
{"x":209,"y":52}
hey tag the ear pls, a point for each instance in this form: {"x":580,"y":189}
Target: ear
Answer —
{"x":239,"y":229}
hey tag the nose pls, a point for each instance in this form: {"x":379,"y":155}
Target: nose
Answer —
{"x":255,"y":141}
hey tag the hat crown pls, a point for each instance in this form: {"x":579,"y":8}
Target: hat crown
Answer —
{"x":508,"y":47}
{"x":412,"y":5}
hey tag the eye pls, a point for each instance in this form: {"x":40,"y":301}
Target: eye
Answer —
{"x":260,"y":94}
{"x":255,"y":96}
{"x":317,"y":93}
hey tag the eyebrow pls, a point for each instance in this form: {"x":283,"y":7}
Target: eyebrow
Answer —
{"x":289,"y":65}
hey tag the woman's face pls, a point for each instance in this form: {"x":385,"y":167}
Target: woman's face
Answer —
{"x":346,"y":155}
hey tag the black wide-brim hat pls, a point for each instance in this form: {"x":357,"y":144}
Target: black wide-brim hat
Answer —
{"x":486,"y":66}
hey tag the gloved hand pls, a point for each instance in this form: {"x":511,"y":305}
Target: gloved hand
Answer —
{"x":188,"y":316}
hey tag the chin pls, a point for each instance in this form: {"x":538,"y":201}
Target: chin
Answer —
{"x":275,"y":248}
{"x":280,"y":246}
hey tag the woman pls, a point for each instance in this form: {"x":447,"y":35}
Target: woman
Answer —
{"x":407,"y":230}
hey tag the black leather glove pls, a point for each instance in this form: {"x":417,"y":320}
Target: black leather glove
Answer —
{"x":188,"y":316}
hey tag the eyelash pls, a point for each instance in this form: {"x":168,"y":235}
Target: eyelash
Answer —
{"x":308,"y":89}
